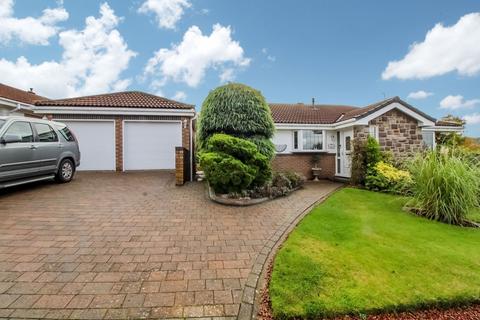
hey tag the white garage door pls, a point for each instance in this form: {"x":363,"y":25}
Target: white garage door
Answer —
{"x":97,"y":143}
{"x":150,"y":145}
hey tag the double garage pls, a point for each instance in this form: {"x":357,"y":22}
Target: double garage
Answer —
{"x":146,"y":145}
{"x":126,"y":131}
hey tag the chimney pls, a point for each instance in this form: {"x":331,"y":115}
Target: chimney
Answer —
{"x":313,"y":102}
{"x":31,"y":91}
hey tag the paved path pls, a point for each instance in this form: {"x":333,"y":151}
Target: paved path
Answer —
{"x":118,"y":246}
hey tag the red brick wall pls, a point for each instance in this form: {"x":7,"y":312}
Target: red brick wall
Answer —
{"x":119,"y":143}
{"x":301,"y":163}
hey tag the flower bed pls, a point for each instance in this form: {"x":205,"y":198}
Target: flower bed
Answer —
{"x":282,"y":184}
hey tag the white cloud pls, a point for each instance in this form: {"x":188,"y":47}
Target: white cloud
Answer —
{"x":92,"y":61}
{"x":168,"y":12}
{"x":419,"y":95}
{"x":29,"y":30}
{"x":445,"y":49}
{"x":180,"y":96}
{"x":473,"y":118}
{"x":457,"y":102}
{"x":227,"y":74}
{"x":269,"y":57}
{"x":189,"y":60}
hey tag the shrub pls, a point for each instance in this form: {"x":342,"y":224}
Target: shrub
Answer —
{"x":385,"y":177}
{"x":366,"y":154}
{"x":233,"y":165}
{"x":445,"y":186}
{"x":373,"y":154}
{"x":359,"y":163}
{"x":281,"y":185}
{"x":237,"y":110}
{"x":225,"y":173}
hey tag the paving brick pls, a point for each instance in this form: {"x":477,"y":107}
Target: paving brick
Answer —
{"x":159,"y":300}
{"x":80,"y":301}
{"x":107,"y":301}
{"x":53,"y":301}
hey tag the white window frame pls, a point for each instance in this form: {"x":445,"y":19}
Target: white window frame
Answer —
{"x":300,"y":141}
{"x":373,"y":131}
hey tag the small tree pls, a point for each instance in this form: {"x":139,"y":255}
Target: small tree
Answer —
{"x":238,"y":110}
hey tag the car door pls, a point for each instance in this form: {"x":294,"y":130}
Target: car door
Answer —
{"x":47,"y":148}
{"x":16,"y":158}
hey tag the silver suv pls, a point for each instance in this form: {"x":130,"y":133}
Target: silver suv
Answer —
{"x":34,"y":150}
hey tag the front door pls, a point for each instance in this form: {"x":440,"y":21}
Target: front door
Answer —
{"x":344,"y":149}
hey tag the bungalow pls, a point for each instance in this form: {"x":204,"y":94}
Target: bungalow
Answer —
{"x":329,"y":130}
{"x":17,"y":102}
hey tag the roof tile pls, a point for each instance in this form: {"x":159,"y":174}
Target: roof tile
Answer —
{"x":127,"y":99}
{"x":19,"y":95}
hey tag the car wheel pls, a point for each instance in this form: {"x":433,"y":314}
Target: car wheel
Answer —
{"x":65,"y":171}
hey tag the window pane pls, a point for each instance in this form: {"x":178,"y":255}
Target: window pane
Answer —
{"x":312,"y":140}
{"x":65,"y":132}
{"x":295,"y":140}
{"x":1,"y":123}
{"x":348,"y":143}
{"x":21,"y":129}
{"x":428,"y":139}
{"x":45,"y":132}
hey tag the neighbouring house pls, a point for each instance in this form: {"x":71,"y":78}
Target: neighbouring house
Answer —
{"x":303,"y":130}
{"x":127,"y":131}
{"x":16,"y":102}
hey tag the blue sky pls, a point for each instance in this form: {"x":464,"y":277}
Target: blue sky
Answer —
{"x":336,"y":51}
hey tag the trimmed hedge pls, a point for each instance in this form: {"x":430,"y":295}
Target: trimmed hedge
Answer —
{"x":233,"y":164}
{"x":238,"y":110}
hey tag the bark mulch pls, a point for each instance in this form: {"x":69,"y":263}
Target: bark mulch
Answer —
{"x":471,"y":312}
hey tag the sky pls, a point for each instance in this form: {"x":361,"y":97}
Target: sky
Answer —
{"x":338,"y":52}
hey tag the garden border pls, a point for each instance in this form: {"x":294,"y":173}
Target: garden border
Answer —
{"x":256,"y":281}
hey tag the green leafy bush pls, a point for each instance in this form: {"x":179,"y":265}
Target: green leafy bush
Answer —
{"x":232,"y":164}
{"x":373,"y":153}
{"x":359,"y":163}
{"x":445,"y":186}
{"x":225,"y":173}
{"x":385,"y":177}
{"x":366,"y":154}
{"x":237,"y":110}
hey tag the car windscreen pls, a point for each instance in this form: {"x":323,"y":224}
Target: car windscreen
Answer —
{"x":2,"y":122}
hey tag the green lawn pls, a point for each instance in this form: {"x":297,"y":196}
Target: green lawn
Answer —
{"x":359,"y":253}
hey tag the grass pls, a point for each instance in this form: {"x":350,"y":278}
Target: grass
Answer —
{"x":360,"y":253}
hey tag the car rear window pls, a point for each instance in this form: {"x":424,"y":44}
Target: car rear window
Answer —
{"x":2,"y":122}
{"x":65,"y":132}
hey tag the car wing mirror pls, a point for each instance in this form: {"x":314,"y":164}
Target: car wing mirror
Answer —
{"x":11,"y":138}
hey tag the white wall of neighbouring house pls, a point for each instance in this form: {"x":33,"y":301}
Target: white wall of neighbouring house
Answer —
{"x":283,"y":138}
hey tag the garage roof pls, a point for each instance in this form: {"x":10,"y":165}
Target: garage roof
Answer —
{"x":127,"y":99}
{"x":19,"y":95}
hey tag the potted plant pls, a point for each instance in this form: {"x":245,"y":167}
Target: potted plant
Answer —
{"x":315,"y":169}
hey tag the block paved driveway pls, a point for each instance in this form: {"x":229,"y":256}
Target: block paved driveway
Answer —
{"x":132,"y":246}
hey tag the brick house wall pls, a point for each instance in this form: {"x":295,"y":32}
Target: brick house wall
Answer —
{"x":397,"y":133}
{"x":302,"y":164}
{"x":119,"y":136}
